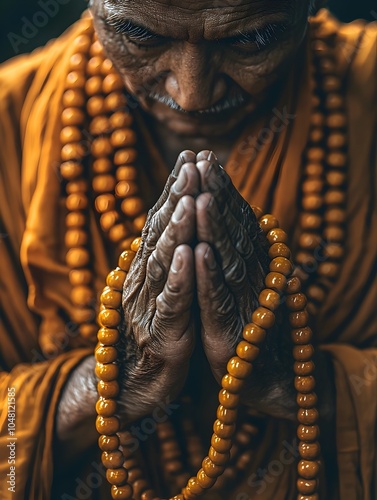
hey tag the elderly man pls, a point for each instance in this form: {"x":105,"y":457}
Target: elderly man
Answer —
{"x":91,"y":126}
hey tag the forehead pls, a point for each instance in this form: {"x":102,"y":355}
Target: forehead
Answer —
{"x":195,"y":19}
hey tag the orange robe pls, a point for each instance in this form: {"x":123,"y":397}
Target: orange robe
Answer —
{"x":35,"y":290}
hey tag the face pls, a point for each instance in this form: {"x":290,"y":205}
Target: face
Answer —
{"x":200,"y":66}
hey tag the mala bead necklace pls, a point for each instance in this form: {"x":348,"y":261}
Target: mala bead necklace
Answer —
{"x":93,"y":82}
{"x":239,"y":368}
{"x":323,"y":216}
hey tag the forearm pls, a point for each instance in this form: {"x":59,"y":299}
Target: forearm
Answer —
{"x":75,"y":420}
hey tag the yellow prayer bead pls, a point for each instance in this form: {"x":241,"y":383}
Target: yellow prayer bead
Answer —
{"x":107,"y":426}
{"x":268,"y":222}
{"x":108,"y":443}
{"x":232,"y":384}
{"x":106,"y":354}
{"x":270,"y":299}
{"x":299,"y":319}
{"x":126,"y":259}
{"x":109,"y":317}
{"x":308,"y":469}
{"x":308,"y":433}
{"x":308,"y":400}
{"x":304,"y":384}
{"x":246,"y":351}
{"x":306,"y":486}
{"x":226,"y":415}
{"x":223,"y":430}
{"x":116,"y":279}
{"x":112,"y":460}
{"x":117,"y":476}
{"x":108,"y":372}
{"x":253,"y":333}
{"x":228,"y":399}
{"x":211,"y":469}
{"x":309,"y":451}
{"x":111,"y":298}
{"x":108,"y":390}
{"x":106,"y":407}
{"x":218,"y":458}
{"x":77,"y":257}
{"x":263,"y":317}
{"x":205,"y":481}
{"x":239,"y":368}
{"x":307,"y":416}
{"x":276,"y":281}
{"x":108,"y":336}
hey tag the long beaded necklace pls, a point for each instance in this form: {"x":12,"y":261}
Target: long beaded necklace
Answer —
{"x":94,"y":82}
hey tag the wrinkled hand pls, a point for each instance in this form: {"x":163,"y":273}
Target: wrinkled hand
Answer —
{"x":201,"y":238}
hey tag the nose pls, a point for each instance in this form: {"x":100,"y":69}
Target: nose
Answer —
{"x":193,"y":80}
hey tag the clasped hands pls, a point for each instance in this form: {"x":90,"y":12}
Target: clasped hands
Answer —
{"x":203,"y":255}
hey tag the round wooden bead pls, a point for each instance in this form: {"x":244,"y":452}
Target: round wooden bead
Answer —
{"x":71,"y":170}
{"x":279,"y":250}
{"x":111,"y":299}
{"x":304,"y":384}
{"x":263,"y":317}
{"x":105,"y":203}
{"x":335,"y":251}
{"x":109,"y":219}
{"x":307,"y":400}
{"x":314,"y":169}
{"x":211,"y":469}
{"x":316,"y":135}
{"x":277,"y":235}
{"x":83,"y":315}
{"x":112,"y":460}
{"x":106,"y":354}
{"x":109,"y":317}
{"x":310,"y":451}
{"x":107,"y":67}
{"x":239,"y":368}
{"x":79,"y":277}
{"x":302,"y":335}
{"x":107,"y":408}
{"x":108,"y":443}
{"x":108,"y":389}
{"x":312,"y":202}
{"x":119,"y":232}
{"x":317,"y":293}
{"x":126,"y":174}
{"x":328,"y":269}
{"x":148,"y":495}
{"x":317,"y":119}
{"x":124,"y":492}
{"x":139,"y":487}
{"x":221,"y":445}
{"x":72,"y":116}
{"x":335,"y":197}
{"x":336,"y":140}
{"x":307,"y":416}
{"x":270,"y":299}
{"x":299,"y":319}
{"x":218,"y":458}
{"x":228,"y":399}
{"x":95,"y":105}
{"x":246,"y":351}
{"x":310,"y":221}
{"x":335,"y":216}
{"x":223,"y":430}
{"x":99,"y":125}
{"x":107,"y":372}
{"x":303,"y":352}
{"x":306,"y":486}
{"x":125,"y":155}
{"x":73,"y":151}
{"x":74,"y":98}
{"x":308,"y":469}
{"x":70,"y":134}
{"x":281,"y":265}
{"x":296,"y":301}
{"x":226,"y":415}
{"x":135,"y":245}
{"x":126,"y":259}
{"x":107,"y":426}
{"x":315,"y":154}
{"x":308,"y":432}
{"x":254,"y":334}
{"x":132,"y":206}
{"x":334,"y":233}
{"x":268,"y":222}
{"x":93,"y":85}
{"x":308,"y":497}
{"x":336,"y":159}
{"x":139,"y":222}
{"x":78,"y":186}
{"x":121,"y":119}
{"x":108,"y":336}
{"x":126,"y":188}
{"x":101,"y":146}
{"x":77,"y":201}
{"x":115,"y":101}
{"x":194,"y":486}
{"x":82,"y":295}
{"x":232,"y":384}
{"x":205,"y":481}
{"x":116,"y":279}
{"x":75,"y":238}
{"x":303,"y":368}
{"x":103,"y":183}
{"x":293,"y":285}
{"x":88,"y":331}
{"x":117,"y":476}
{"x":112,"y":82}
{"x":276,"y":280}
{"x":102,"y":166}
{"x":337,"y":120}
{"x":82,"y":43}
{"x":123,"y":137}
{"x":75,"y":80}
{"x":336,"y":179}
{"x":94,"y":65}
{"x":310,"y":241}
{"x":77,"y":257}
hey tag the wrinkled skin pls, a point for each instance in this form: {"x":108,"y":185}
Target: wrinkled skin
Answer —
{"x":201,"y":239}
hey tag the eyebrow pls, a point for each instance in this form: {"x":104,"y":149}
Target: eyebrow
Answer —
{"x":262,"y":36}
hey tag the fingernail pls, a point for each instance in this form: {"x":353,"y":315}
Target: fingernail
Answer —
{"x":209,"y":259}
{"x":176,"y":265}
{"x":178,"y":164}
{"x":210,"y":170}
{"x":180,"y":183}
{"x":212,"y":156}
{"x":179,"y":212}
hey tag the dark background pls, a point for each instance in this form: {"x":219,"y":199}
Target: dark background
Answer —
{"x":19,"y":20}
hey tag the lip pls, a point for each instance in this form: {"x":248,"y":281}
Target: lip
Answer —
{"x":194,"y":124}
